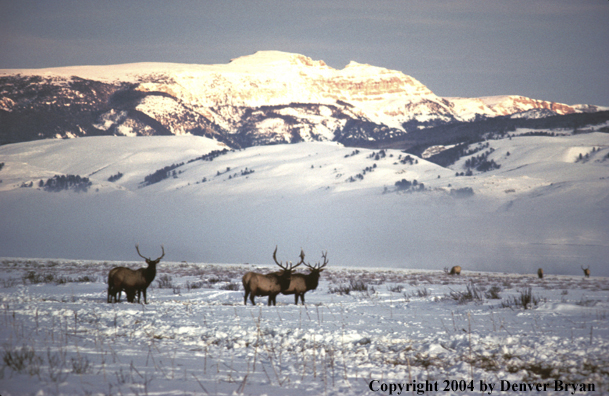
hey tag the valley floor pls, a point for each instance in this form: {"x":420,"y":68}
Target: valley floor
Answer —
{"x":363,"y":331}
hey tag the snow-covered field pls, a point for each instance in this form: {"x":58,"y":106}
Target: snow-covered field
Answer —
{"x":195,"y":336}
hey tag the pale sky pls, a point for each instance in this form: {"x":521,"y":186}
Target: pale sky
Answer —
{"x":554,"y":50}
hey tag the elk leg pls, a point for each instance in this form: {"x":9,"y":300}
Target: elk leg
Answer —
{"x":296,"y":298}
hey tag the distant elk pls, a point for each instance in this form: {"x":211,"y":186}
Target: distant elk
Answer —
{"x":256,"y":284}
{"x":540,"y":273}
{"x":301,"y":283}
{"x":456,"y":270}
{"x":132,"y":281}
{"x":586,"y":271}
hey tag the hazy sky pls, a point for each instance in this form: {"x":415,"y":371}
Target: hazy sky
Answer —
{"x":546,"y":49}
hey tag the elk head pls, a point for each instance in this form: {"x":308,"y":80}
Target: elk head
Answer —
{"x":586,"y":271}
{"x":318,"y":267}
{"x":286,"y":274}
{"x":150,"y":261}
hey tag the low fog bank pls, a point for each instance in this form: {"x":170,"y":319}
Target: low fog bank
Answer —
{"x":358,"y":228}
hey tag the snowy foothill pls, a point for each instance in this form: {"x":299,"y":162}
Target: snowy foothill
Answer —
{"x":545,"y":204}
{"x":363,"y":331}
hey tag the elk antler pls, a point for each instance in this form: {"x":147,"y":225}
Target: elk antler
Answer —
{"x":318,"y":266}
{"x":162,"y":251}
{"x":137,"y":247}
{"x":290,"y":267}
{"x":302,"y":256}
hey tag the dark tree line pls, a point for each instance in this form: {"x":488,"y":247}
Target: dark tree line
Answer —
{"x":114,"y":178}
{"x":481,"y":162}
{"x":409,"y":186}
{"x":161,"y":174}
{"x":407,"y":159}
{"x":360,"y":176}
{"x":377,"y":156}
{"x":66,"y":182}
{"x":210,"y":156}
{"x":244,"y":172}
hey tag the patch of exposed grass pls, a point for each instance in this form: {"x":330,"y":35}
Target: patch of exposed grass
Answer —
{"x":526,"y":299}
{"x":493,"y":293}
{"x":22,"y":360}
{"x":471,"y":294}
{"x":353,"y":285}
{"x":165,"y":282}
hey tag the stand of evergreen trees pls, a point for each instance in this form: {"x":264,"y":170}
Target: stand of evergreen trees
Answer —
{"x":161,"y":174}
{"x":409,"y":186}
{"x":66,"y":182}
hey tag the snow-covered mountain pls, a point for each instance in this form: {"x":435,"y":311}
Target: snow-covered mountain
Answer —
{"x":268,"y":97}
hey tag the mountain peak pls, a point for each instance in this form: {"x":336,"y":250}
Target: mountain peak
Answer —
{"x":276,"y":58}
{"x":266,"y":97}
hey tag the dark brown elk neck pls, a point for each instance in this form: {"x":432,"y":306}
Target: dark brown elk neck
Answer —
{"x":284,"y":278}
{"x":312,"y":280}
{"x":150,"y":272}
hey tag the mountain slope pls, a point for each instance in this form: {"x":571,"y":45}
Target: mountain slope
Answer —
{"x":540,"y":207}
{"x":264,"y":98}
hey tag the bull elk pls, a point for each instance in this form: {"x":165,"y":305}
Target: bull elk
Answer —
{"x":301,"y":283}
{"x":586,"y":271}
{"x":456,"y":270}
{"x":256,"y":284}
{"x":540,"y":273}
{"x":132,"y":281}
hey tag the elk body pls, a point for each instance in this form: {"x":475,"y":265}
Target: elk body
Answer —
{"x":301,"y":283}
{"x":132,"y":281}
{"x":540,"y":273}
{"x":113,"y":293}
{"x":456,"y":270}
{"x":586,"y":271}
{"x":256,"y":284}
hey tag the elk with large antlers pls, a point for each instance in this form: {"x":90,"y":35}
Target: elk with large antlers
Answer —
{"x":132,"y":281}
{"x":301,"y":283}
{"x":456,"y":270}
{"x":256,"y":284}
{"x":586,"y":271}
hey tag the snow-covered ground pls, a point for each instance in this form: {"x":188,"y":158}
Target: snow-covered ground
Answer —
{"x":195,"y":335}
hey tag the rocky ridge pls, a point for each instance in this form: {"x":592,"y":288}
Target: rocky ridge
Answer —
{"x":265,"y":98}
